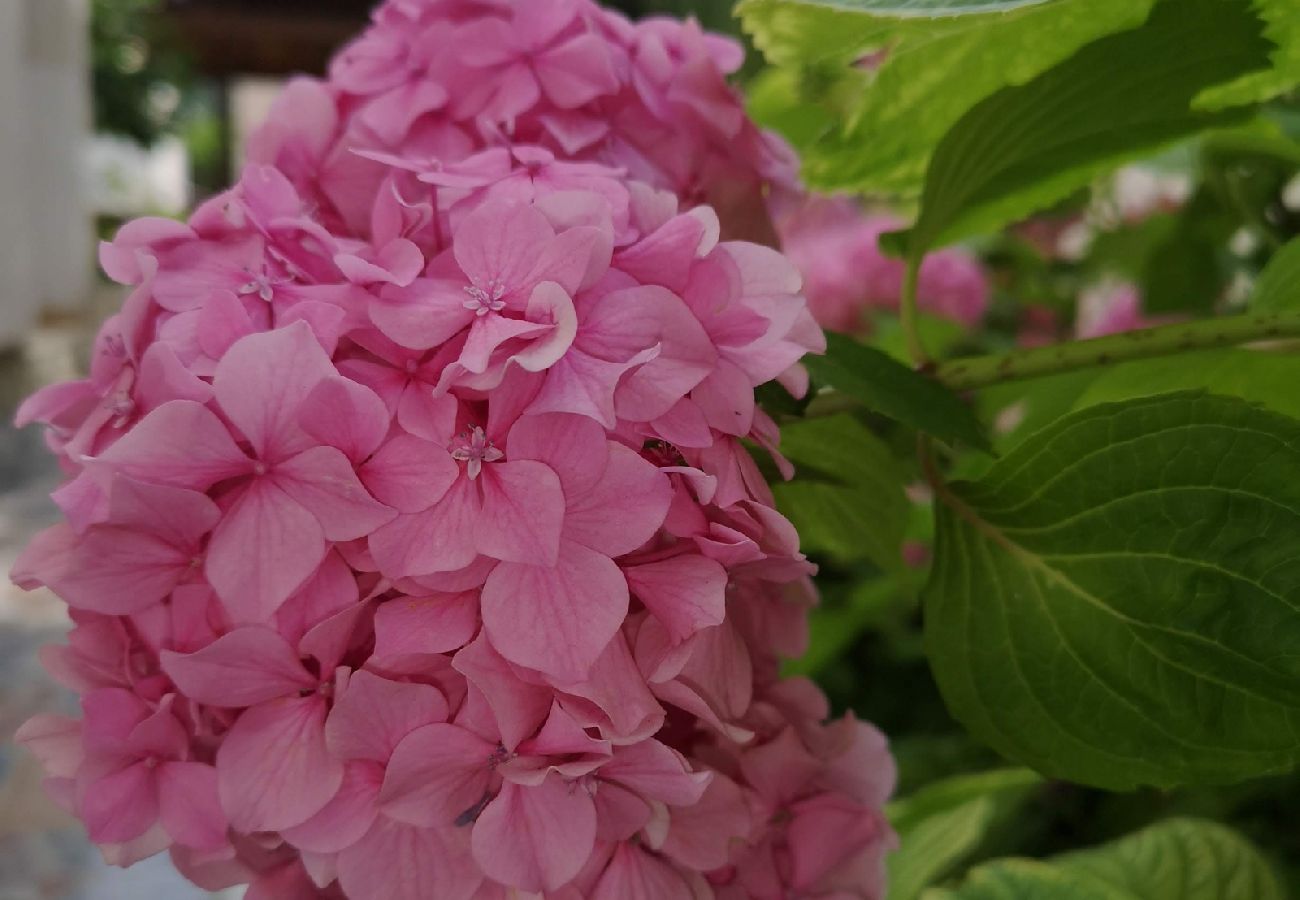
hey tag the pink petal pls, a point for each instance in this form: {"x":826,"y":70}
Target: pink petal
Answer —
{"x":438,"y":775}
{"x":556,"y":619}
{"x":518,"y":707}
{"x":322,"y":481}
{"x":267,"y":545}
{"x":273,"y":769}
{"x":181,"y":443}
{"x":727,"y":399}
{"x":523,"y":510}
{"x":163,"y":378}
{"x":686,"y":593}
{"x":121,"y":806}
{"x":551,"y":305}
{"x":374,"y":714}
{"x":347,"y":817}
{"x":261,"y":384}
{"x":423,"y":315}
{"x":624,"y":510}
{"x":245,"y":667}
{"x":188,"y":805}
{"x":118,"y":571}
{"x":633,"y":874}
{"x":440,"y":539}
{"x":427,"y":416}
{"x":703,"y":835}
{"x":55,"y":741}
{"x":410,"y":474}
{"x":617,"y":701}
{"x":583,"y":385}
{"x":341,"y":413}
{"x":577,"y":71}
{"x":502,"y":242}
{"x":425,"y":625}
{"x":536,"y":838}
{"x":657,"y":772}
{"x":400,"y":862}
{"x":573,"y":446}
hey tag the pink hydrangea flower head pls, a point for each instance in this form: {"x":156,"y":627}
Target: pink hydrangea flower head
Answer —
{"x":411,"y":544}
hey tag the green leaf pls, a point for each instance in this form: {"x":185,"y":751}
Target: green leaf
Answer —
{"x":1179,"y":859}
{"x":940,"y":826}
{"x":1117,"y":601}
{"x":875,"y":131}
{"x":1262,"y":377}
{"x":887,"y":386}
{"x":1283,"y":29}
{"x":847,"y":498}
{"x":1118,"y":98}
{"x":1278,"y":287}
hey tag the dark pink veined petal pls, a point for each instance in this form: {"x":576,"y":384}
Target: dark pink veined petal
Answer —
{"x":244,"y":667}
{"x":426,"y":415}
{"x":120,"y":571}
{"x":536,"y":838}
{"x":188,"y":805}
{"x":402,"y":862}
{"x":397,"y":262}
{"x":425,"y":314}
{"x":634,"y":874}
{"x":576,"y":72}
{"x":618,"y":701}
{"x":410,"y":474}
{"x":274,"y":771}
{"x":574,"y":447}
{"x":584,"y":385}
{"x":425,"y":625}
{"x":702,"y":834}
{"x":347,"y":817}
{"x":522,"y":514}
{"x":685,"y":593}
{"x":159,"y":735}
{"x":727,"y":399}
{"x":440,"y":539}
{"x":180,"y":516}
{"x":518,"y":706}
{"x":322,"y":481}
{"x":624,"y":510}
{"x":501,"y":243}
{"x":264,"y":548}
{"x":163,"y":378}
{"x":579,"y":255}
{"x":555,"y":619}
{"x":657,"y":772}
{"x":341,"y":413}
{"x":181,"y":443}
{"x":121,"y":806}
{"x":261,"y":384}
{"x":374,"y":714}
{"x":438,"y":775}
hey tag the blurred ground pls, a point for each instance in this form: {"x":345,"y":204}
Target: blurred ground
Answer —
{"x":44,"y":854}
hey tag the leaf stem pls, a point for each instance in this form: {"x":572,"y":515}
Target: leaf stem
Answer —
{"x":1166,"y":340}
{"x":908,"y":313}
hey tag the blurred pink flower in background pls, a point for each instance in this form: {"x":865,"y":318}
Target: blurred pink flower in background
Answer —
{"x":835,"y":244}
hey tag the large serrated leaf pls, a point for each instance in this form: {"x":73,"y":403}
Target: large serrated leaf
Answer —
{"x":1117,"y":601}
{"x":1179,"y":859}
{"x":1118,"y":98}
{"x":874,"y":131}
{"x":1278,"y":287}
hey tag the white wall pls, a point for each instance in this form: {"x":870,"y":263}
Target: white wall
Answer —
{"x":46,"y":230}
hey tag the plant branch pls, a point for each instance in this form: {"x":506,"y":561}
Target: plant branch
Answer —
{"x":1166,"y":340}
{"x":908,"y":314}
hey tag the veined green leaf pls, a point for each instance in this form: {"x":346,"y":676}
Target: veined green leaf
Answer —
{"x":887,"y":386}
{"x":875,"y":130}
{"x":1179,"y":859}
{"x":1120,"y":97}
{"x":847,"y":497}
{"x":942,"y":824}
{"x":1279,"y":284}
{"x":1117,"y":601}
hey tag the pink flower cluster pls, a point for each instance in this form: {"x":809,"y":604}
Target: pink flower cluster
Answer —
{"x":835,"y":245}
{"x":412,"y":546}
